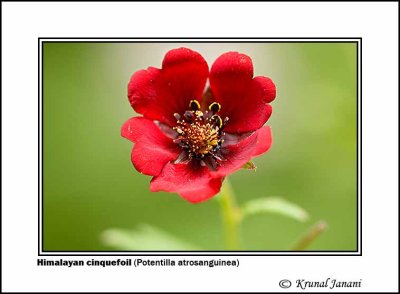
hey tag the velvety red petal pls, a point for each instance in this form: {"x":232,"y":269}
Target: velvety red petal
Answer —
{"x":153,"y":149}
{"x":237,"y":155}
{"x":192,"y":182}
{"x":244,"y":99}
{"x":159,"y":93}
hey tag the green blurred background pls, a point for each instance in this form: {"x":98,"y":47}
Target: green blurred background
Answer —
{"x":91,"y":186}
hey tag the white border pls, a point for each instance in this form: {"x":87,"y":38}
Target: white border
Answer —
{"x":208,"y":253}
{"x":376,"y":22}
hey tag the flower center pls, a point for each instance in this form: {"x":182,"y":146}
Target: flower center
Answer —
{"x":200,"y":134}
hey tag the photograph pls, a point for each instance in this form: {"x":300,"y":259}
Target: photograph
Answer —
{"x":199,"y":146}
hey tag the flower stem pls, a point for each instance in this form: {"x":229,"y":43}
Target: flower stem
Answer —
{"x":231,"y":216}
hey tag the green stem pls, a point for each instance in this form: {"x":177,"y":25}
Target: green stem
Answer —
{"x":310,"y":236}
{"x":231,"y":216}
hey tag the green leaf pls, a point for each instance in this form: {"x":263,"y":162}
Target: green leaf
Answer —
{"x":249,"y":165}
{"x":144,"y":237}
{"x":275,"y":205}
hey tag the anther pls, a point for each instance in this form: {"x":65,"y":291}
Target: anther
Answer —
{"x":177,"y":116}
{"x":217,"y":120}
{"x":194,"y":105}
{"x":215,"y":107}
{"x":188,"y":115}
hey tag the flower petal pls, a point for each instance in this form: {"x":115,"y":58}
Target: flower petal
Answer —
{"x":153,"y":149}
{"x":237,"y":155}
{"x":244,"y":99}
{"x":192,"y":182}
{"x":159,"y":93}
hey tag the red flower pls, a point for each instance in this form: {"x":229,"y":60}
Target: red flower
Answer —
{"x":189,"y":139}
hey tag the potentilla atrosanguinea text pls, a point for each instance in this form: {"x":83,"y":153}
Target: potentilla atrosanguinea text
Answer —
{"x":197,"y":125}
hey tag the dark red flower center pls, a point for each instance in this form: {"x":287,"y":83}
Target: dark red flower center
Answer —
{"x":200,"y":134}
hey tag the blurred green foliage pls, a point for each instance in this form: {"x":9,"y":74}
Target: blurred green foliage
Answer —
{"x":90,"y":184}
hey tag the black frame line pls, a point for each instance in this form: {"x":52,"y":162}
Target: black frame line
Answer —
{"x":254,"y":1}
{"x":203,"y":1}
{"x":167,"y":253}
{"x":132,"y":40}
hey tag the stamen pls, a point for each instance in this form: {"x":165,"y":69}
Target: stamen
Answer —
{"x":200,"y":135}
{"x":188,"y":115}
{"x":183,"y":157}
{"x":214,"y":107}
{"x":194,"y":105}
{"x":217,"y":120}
{"x":211,"y":163}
